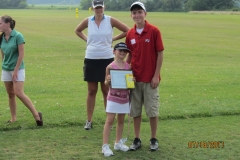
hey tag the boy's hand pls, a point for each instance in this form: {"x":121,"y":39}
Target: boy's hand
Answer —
{"x":155,"y":82}
{"x":134,"y":79}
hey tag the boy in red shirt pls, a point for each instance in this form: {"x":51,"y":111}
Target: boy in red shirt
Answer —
{"x":146,"y":57}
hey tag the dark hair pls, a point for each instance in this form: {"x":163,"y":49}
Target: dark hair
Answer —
{"x":8,"y":19}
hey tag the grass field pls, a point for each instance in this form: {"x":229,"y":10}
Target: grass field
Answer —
{"x":199,"y":91}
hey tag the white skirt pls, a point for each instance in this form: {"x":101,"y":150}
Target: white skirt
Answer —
{"x":113,"y":107}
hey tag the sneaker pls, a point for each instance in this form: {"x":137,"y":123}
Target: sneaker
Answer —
{"x":136,"y":144}
{"x":153,"y":144}
{"x":88,"y":125}
{"x":121,"y":146}
{"x":106,"y":151}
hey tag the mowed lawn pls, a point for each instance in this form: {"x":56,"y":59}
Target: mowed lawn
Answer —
{"x":200,"y":98}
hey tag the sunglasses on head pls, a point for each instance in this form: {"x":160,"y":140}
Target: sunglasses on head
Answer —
{"x":122,"y":50}
{"x":98,"y":7}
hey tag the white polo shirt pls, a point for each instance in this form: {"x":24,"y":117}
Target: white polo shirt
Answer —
{"x":99,"y":41}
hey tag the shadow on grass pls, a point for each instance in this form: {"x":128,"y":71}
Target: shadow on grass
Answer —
{"x":197,"y":115}
{"x":65,"y":124}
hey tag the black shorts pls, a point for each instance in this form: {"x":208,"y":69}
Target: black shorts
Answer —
{"x":95,"y":69}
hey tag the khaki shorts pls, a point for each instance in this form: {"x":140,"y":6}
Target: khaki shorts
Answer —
{"x":143,"y":94}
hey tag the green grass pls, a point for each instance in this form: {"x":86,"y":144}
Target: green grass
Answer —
{"x":200,"y":79}
{"x":72,"y":142}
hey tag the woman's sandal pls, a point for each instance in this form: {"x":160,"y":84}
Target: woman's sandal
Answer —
{"x":40,"y":122}
{"x":10,"y":121}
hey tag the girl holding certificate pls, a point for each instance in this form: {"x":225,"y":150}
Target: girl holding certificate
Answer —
{"x":117,"y":102}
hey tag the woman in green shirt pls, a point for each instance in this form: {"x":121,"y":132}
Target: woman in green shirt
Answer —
{"x":13,"y":69}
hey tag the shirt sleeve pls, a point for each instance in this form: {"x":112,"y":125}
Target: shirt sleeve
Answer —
{"x":20,"y":39}
{"x":159,"y":42}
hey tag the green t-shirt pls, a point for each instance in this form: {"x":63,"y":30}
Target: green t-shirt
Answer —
{"x":10,"y":50}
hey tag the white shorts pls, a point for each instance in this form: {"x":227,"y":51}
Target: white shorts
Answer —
{"x":113,"y":107}
{"x":7,"y":75}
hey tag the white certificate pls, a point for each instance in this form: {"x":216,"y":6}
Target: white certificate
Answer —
{"x":118,"y":78}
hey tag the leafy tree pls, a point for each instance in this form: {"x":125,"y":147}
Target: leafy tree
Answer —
{"x":223,"y":4}
{"x":53,"y":1}
{"x":202,"y":5}
{"x":171,"y":5}
{"x":86,"y":4}
{"x":153,"y":5}
{"x":22,"y":5}
{"x":12,"y":3}
{"x":112,"y":5}
{"x":164,"y":5}
{"x":125,"y":4}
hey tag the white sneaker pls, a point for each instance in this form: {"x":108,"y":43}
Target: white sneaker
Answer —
{"x":106,"y":150}
{"x":121,"y":146}
{"x":88,"y":125}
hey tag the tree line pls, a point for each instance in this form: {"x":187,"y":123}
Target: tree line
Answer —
{"x":11,"y":4}
{"x":124,"y":5}
{"x":167,"y":5}
{"x":8,"y":4}
{"x":53,"y":2}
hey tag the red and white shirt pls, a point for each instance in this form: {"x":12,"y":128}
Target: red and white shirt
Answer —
{"x":144,"y":50}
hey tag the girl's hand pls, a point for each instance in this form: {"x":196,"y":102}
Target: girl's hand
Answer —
{"x":15,"y":76}
{"x":109,"y":78}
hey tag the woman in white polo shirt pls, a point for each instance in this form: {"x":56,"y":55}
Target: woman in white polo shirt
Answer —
{"x":99,"y":52}
{"x":13,"y":69}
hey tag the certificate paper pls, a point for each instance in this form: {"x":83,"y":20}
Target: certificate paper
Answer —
{"x":118,"y":78}
{"x":129,"y":81}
